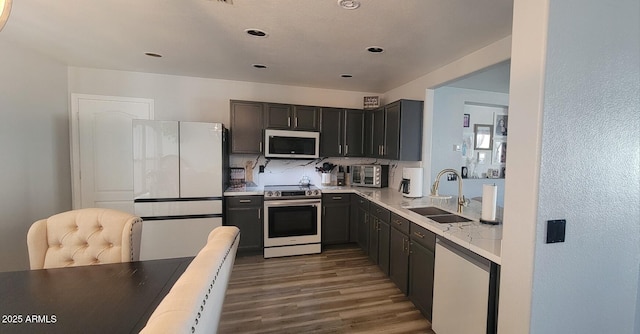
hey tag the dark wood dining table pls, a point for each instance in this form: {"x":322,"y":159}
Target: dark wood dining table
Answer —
{"x":107,"y":298}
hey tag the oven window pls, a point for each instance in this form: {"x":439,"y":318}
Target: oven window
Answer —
{"x":291,"y":145}
{"x":369,"y":175}
{"x":292,"y":221}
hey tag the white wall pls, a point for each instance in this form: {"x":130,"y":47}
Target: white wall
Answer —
{"x":447,"y":130}
{"x":199,"y":99}
{"x":34,"y":145}
{"x":575,"y":81}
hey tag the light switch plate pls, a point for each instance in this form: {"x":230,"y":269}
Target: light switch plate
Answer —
{"x":556,"y":230}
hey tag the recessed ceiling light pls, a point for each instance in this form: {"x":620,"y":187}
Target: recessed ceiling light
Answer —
{"x":152,"y":54}
{"x":256,"y":32}
{"x":259,"y":66}
{"x":346,"y":75}
{"x":375,"y":49}
{"x":349,"y":4}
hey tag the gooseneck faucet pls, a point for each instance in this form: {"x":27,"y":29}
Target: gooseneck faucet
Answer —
{"x":434,"y":187}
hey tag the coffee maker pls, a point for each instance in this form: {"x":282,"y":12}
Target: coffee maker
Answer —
{"x":411,"y":184}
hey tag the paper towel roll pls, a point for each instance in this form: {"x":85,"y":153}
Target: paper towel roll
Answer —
{"x":489,"y":198}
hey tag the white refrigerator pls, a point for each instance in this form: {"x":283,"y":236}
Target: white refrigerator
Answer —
{"x":179,"y":170}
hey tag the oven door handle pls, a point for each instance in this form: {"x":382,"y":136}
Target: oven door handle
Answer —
{"x":293,"y":202}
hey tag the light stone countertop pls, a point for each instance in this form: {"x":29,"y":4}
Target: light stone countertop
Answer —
{"x":482,"y":239}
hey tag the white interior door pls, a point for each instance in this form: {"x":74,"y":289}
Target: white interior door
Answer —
{"x":102,"y":149}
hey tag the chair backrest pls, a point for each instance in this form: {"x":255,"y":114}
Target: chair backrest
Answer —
{"x":194,"y":303}
{"x":84,"y":237}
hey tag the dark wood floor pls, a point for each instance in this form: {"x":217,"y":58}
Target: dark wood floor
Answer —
{"x":338,"y":291}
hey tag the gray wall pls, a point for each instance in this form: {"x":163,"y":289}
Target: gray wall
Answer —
{"x":589,"y":172}
{"x":35,"y":174}
{"x":447,"y":130}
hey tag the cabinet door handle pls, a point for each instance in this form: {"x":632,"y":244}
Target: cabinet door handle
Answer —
{"x":409,"y":248}
{"x":259,"y":214}
{"x":260,"y":146}
{"x":296,"y":122}
{"x":346,"y":149}
{"x":337,"y":197}
{"x":339,"y":149}
{"x":324,"y":210}
{"x":289,"y":121}
{"x":419,"y":235}
{"x":397,"y":222}
{"x":245,"y":201}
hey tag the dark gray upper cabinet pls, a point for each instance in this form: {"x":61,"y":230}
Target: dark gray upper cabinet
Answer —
{"x":396,"y":131}
{"x":277,"y":116}
{"x":341,"y":132}
{"x":291,"y":117}
{"x":246,"y":127}
{"x":331,"y":138}
{"x":354,"y":133}
{"x":306,"y":118}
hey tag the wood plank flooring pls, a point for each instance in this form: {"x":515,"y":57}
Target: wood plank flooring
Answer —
{"x":338,"y":291}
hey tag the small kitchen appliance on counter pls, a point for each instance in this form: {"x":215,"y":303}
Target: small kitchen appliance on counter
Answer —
{"x":411,"y":184}
{"x":375,"y":176}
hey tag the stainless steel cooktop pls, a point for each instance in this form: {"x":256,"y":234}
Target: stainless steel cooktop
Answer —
{"x":291,"y":191}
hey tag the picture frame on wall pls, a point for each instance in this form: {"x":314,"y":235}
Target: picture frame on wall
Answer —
{"x":466,"y":120}
{"x":500,"y":152}
{"x":501,"y":125}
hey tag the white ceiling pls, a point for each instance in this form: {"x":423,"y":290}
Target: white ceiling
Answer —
{"x":310,"y":42}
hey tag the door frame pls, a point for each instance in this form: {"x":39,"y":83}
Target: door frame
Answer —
{"x":74,"y":135}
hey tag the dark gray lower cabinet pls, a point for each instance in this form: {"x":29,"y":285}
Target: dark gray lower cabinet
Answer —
{"x":421,"y":265}
{"x":245,"y":212}
{"x":399,"y":259}
{"x":360,"y":217}
{"x":379,"y":231}
{"x":335,"y":218}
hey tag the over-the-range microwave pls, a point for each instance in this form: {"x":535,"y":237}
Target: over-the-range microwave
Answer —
{"x":291,"y":144}
{"x":376,"y":176}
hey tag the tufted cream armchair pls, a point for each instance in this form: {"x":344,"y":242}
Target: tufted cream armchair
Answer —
{"x":84,"y":237}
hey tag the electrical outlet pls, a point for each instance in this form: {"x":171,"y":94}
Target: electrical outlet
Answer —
{"x":452,"y":177}
{"x":261,"y":169}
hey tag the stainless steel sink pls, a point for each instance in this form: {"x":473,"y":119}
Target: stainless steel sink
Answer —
{"x":439,"y":215}
{"x":450,"y":218}
{"x":429,"y":211}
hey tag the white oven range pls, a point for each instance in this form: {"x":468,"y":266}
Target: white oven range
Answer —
{"x":292,"y":220}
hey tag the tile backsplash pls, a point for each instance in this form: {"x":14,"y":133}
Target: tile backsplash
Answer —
{"x":283,"y":171}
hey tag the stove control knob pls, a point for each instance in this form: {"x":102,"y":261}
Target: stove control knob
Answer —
{"x":308,"y":193}
{"x":276,"y":193}
{"x":269,"y":194}
{"x":316,"y":192}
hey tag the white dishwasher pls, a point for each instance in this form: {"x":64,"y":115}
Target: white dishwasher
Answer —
{"x":464,"y":291}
